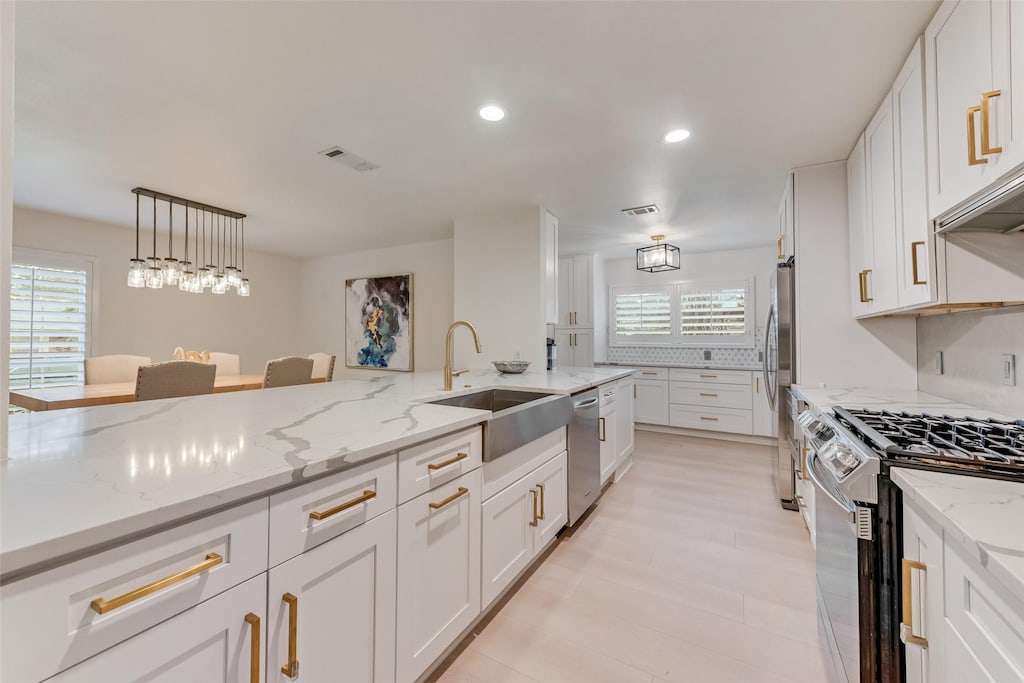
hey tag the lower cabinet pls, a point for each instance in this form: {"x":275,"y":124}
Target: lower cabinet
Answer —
{"x":608,"y":424}
{"x":519,"y":522}
{"x":332,"y":609}
{"x":624,"y":437}
{"x":220,"y":640}
{"x":651,"y":401}
{"x":438,"y":572}
{"x":764,"y":419}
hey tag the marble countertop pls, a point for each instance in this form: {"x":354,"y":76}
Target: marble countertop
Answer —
{"x":909,"y":400}
{"x":80,"y":478}
{"x":705,"y":366}
{"x":981,"y":515}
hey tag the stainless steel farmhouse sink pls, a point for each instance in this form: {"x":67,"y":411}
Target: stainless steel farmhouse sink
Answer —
{"x":517,"y":417}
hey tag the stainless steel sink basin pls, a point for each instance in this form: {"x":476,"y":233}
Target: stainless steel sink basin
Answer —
{"x":517,"y":417}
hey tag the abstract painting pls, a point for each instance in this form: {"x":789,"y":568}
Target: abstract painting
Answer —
{"x":378,"y":322}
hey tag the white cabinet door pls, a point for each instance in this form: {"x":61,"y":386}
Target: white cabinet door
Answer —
{"x":583,"y":291}
{"x":765,"y":423}
{"x":438,"y":572}
{"x":624,"y":420}
{"x":341,"y":596}
{"x":860,"y":238}
{"x":608,"y":427}
{"x":583,"y":348}
{"x":922,"y":542}
{"x":507,"y":546}
{"x":220,"y":640}
{"x":550,"y":480}
{"x":914,"y":242}
{"x":563,"y":347}
{"x":565,"y":312}
{"x":880,"y":279}
{"x":651,"y":406}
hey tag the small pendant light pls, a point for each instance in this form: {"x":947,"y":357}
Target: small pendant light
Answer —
{"x":136,"y":266}
{"x":172,"y":268}
{"x":154,"y":269}
{"x":206,"y":272}
{"x":243,"y":282}
{"x":220,"y":282}
{"x":657,"y":257}
{"x":233,"y":274}
{"x":187,"y":274}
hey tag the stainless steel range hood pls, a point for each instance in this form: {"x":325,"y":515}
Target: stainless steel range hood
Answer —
{"x":1000,"y":210}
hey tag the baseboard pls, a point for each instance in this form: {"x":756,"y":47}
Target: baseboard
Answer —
{"x":621,"y":470}
{"x":705,"y":434}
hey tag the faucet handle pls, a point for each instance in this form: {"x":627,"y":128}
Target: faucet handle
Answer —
{"x":456,"y":373}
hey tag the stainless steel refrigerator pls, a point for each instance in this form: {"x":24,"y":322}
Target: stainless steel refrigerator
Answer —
{"x":780,"y":373}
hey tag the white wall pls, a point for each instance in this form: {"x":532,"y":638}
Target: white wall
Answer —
{"x":6,"y":202}
{"x":153,"y":322}
{"x":323,"y":300}
{"x":499,"y":277}
{"x":757,"y":262}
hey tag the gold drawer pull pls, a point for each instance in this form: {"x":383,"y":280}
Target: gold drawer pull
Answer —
{"x":654,"y":374}
{"x":757,"y":384}
{"x":254,"y":647}
{"x":540,"y":487}
{"x":461,"y":492}
{"x":804,"y":474}
{"x":867,"y":297}
{"x":291,"y":669}
{"x":860,"y":285}
{"x":709,"y":395}
{"x":709,"y":419}
{"x":972,"y":157}
{"x":781,"y":238}
{"x":533,"y":492}
{"x":709,"y":376}
{"x":913,"y":263}
{"x":907,"y":625}
{"x":442,"y":465}
{"x":604,"y":430}
{"x":367,"y":495}
{"x":985,"y":149}
{"x":103,"y":606}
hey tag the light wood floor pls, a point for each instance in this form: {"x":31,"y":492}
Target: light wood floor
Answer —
{"x":687,"y":571}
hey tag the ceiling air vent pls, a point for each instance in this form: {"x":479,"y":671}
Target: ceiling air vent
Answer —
{"x":351,"y":160}
{"x":641,"y":210}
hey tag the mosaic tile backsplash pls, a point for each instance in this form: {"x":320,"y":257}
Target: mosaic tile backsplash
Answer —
{"x":689,"y":355}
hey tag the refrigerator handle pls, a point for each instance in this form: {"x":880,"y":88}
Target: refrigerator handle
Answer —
{"x":768,"y":388}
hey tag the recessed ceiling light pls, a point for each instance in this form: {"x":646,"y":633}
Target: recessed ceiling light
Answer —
{"x":677,"y":135}
{"x":491,"y":112}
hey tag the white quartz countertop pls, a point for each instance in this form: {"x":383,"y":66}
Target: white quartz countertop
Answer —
{"x":710,"y":365}
{"x":982,"y":515}
{"x":909,"y":400}
{"x":82,"y":478}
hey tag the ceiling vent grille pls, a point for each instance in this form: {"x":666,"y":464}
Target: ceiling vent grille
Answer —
{"x":354,"y":162}
{"x":641,"y":210}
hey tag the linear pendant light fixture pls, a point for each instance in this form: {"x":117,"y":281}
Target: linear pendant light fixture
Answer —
{"x":658,"y":256}
{"x":224,"y":265}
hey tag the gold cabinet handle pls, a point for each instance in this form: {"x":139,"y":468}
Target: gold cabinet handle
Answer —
{"x":709,"y":395}
{"x":985,"y":149}
{"x":367,"y":495}
{"x":757,"y":384}
{"x":779,"y":242}
{"x":972,"y":157}
{"x":652,"y":374}
{"x":103,"y":606}
{"x":291,"y":669}
{"x":452,"y":461}
{"x":804,"y":474}
{"x":867,"y":297}
{"x":860,"y":286}
{"x":709,"y":376}
{"x":254,"y":647}
{"x":603,"y":429}
{"x":458,"y":494}
{"x":634,"y":391}
{"x":907,"y":625}
{"x":913,"y":263}
{"x":540,"y":487}
{"x":533,"y":492}
{"x":709,"y":419}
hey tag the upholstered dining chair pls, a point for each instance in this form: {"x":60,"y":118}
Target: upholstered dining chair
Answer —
{"x":323,"y":365}
{"x":113,"y":368}
{"x":174,"y":378}
{"x":288,"y":371}
{"x":227,"y":363}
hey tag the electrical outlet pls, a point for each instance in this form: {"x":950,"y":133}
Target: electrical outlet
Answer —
{"x":707,"y":355}
{"x":938,"y":363}
{"x":1009,"y":369}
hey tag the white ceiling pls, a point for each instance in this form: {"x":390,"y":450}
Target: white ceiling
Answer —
{"x":229,"y":103}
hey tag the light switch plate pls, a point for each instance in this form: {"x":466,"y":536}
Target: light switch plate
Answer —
{"x":1009,"y":369}
{"x":938,"y":362}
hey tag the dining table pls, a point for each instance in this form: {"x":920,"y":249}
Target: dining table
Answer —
{"x":84,"y":396}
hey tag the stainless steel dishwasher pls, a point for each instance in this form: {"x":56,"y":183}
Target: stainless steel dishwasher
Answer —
{"x":584,"y":454}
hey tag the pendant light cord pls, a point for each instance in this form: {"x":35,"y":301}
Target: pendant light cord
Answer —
{"x":170,"y":229}
{"x":154,"y":227}
{"x":136,"y":227}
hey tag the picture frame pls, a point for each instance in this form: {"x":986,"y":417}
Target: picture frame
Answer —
{"x":379,"y":331}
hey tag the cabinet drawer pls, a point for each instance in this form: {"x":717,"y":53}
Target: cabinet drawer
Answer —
{"x":341,"y":502}
{"x":707,"y":394}
{"x":651,"y":373}
{"x":988,"y":618}
{"x":49,"y":622}
{"x":607,"y":393}
{"x":436,"y":462}
{"x":715,"y":419}
{"x":714,"y":376}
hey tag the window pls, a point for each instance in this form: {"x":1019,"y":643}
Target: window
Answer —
{"x":50,"y":302}
{"x":703,"y":314}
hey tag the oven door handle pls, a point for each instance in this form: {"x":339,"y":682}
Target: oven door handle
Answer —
{"x":812,"y":470}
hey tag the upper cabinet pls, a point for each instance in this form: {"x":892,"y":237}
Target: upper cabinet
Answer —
{"x":576,"y":291}
{"x":786,"y":241}
{"x":974,"y":98}
{"x":861,"y":259}
{"x":879,"y":283}
{"x":549,"y":245}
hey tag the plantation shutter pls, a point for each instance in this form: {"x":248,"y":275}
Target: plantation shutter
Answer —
{"x":712,"y":312}
{"x":647,"y":314}
{"x":49,"y":307}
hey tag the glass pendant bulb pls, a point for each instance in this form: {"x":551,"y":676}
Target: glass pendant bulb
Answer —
{"x":186,"y":277}
{"x":243,"y":287}
{"x":154,"y":278}
{"x":220,"y":284}
{"x":172,"y":270}
{"x":207,"y":274}
{"x":233,"y":275}
{"x":136,"y":273}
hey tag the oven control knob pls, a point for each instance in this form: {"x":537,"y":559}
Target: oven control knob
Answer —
{"x":844,"y":460}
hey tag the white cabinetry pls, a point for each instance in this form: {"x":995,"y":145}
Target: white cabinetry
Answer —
{"x":974,"y":105}
{"x":624,"y":436}
{"x":438,"y":572}
{"x":575,"y":347}
{"x":519,"y":522}
{"x":576,"y":291}
{"x":332,"y":609}
{"x":861,"y":255}
{"x":880,"y":276}
{"x":716,"y":400}
{"x":764,"y":422}
{"x":608,"y":424}
{"x":651,"y":394}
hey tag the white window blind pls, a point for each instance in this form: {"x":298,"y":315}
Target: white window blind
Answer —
{"x":49,"y":321}
{"x":712,"y":312}
{"x":647,"y":314}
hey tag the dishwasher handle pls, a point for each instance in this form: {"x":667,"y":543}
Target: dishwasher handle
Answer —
{"x":585,"y":404}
